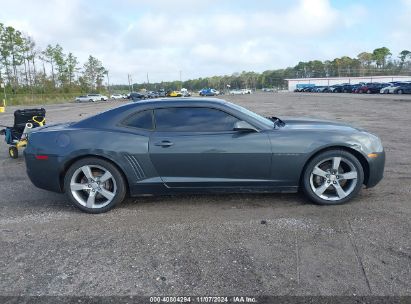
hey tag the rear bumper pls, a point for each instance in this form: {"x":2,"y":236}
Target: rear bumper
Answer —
{"x":45,"y":173}
{"x":376,"y":166}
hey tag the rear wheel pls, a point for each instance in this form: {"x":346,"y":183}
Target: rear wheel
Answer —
{"x":94,"y":185}
{"x":368,"y":91}
{"x":333,"y":177}
{"x":400,"y":91}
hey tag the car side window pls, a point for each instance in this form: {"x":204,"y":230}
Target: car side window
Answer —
{"x":193,"y":120}
{"x":140,"y":120}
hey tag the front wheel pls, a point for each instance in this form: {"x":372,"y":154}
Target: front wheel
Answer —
{"x":333,"y":177}
{"x":94,"y":185}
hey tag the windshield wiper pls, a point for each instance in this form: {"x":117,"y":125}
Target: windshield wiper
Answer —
{"x":277,"y":122}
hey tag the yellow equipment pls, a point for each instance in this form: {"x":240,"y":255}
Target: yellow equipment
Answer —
{"x":24,"y":122}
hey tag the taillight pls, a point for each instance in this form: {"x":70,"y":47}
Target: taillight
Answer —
{"x":42,"y":157}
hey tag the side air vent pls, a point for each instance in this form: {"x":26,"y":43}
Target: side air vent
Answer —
{"x":135,"y":165}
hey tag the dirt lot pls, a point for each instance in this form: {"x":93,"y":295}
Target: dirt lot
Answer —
{"x":218,"y":244}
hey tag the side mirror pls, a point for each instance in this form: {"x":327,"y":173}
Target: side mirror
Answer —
{"x":244,"y":126}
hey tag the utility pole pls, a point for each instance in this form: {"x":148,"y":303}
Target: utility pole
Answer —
{"x":130,"y":83}
{"x":181,"y":83}
{"x":108,"y":84}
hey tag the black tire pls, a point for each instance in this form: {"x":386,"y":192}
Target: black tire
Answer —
{"x":400,"y":92}
{"x":13,"y":152}
{"x":120,"y":182}
{"x":91,"y":100}
{"x":306,"y":185}
{"x":368,"y":92}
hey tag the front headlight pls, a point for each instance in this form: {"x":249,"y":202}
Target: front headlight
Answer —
{"x":375,"y":144}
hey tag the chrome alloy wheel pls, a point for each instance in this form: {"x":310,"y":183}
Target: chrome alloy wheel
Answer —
{"x":93,"y":186}
{"x":333,"y":179}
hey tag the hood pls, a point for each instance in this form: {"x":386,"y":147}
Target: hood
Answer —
{"x":297,"y":123}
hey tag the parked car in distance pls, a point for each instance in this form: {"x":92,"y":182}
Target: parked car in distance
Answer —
{"x":136,"y":96}
{"x":404,"y":88}
{"x":268,"y":90}
{"x":236,"y":92}
{"x":91,"y":98}
{"x":161,"y":93}
{"x":209,"y":92}
{"x":355,"y":87}
{"x":391,"y":87}
{"x":336,"y":88}
{"x":374,"y":88}
{"x":345,"y":88}
{"x":309,"y":89}
{"x":117,"y":96}
{"x":98,"y":97}
{"x":321,"y":89}
{"x":363,"y":88}
{"x":152,"y":94}
{"x":174,"y":94}
{"x":85,"y":98}
{"x":164,"y":146}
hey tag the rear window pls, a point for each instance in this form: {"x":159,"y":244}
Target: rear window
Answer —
{"x":140,"y":120}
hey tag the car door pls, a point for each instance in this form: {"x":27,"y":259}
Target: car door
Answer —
{"x":197,"y":147}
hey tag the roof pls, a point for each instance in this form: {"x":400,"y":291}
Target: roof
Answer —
{"x":348,"y":77}
{"x":184,"y":100}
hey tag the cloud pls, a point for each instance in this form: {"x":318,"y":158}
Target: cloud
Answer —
{"x":201,"y":38}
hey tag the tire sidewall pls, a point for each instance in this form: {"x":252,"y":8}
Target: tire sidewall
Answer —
{"x":120,"y":183}
{"x":329,"y":154}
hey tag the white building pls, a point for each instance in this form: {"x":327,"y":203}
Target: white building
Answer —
{"x":292,"y":83}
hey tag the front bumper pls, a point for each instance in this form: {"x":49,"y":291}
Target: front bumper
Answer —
{"x":376,"y":169}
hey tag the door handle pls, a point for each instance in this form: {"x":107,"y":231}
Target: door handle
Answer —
{"x":164,"y":144}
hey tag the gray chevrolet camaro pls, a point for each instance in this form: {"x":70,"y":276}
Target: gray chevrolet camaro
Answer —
{"x":169,"y":146}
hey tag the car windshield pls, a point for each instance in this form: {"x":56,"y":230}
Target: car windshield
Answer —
{"x":260,"y":118}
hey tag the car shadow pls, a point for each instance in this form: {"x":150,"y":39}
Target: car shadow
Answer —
{"x":222,"y":201}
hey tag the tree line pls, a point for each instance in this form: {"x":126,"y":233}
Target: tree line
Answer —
{"x":378,"y":62}
{"x":26,"y":68}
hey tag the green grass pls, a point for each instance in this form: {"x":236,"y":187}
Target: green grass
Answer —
{"x":38,"y":99}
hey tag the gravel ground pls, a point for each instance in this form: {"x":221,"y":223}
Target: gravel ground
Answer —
{"x":218,"y":244}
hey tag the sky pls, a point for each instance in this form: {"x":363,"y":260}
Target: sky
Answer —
{"x":210,"y":37}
